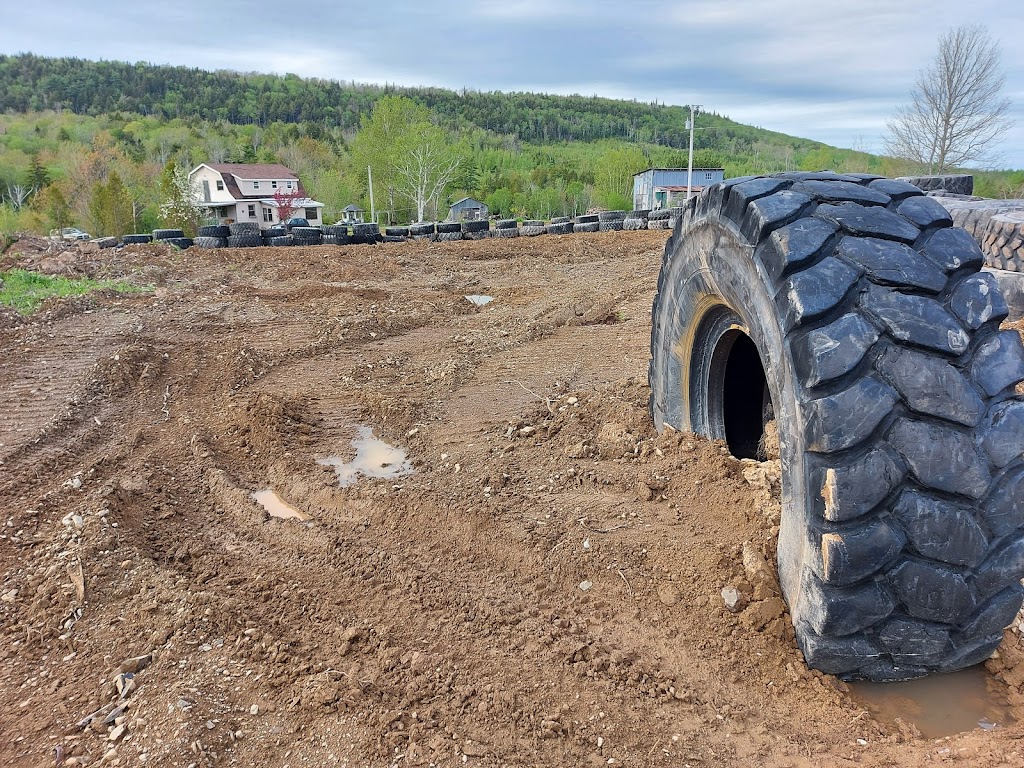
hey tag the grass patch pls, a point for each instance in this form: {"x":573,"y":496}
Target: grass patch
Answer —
{"x":25,"y":291}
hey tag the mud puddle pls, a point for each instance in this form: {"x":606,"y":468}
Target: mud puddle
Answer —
{"x":479,"y":300}
{"x":374,"y":459}
{"x":938,"y":705}
{"x":277,"y":507}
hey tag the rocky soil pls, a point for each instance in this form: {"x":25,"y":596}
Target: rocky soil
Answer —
{"x":554,"y":584}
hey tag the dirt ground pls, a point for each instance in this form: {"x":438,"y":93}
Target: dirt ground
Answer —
{"x":545,"y":589}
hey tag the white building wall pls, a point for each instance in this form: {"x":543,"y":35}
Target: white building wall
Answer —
{"x":211,"y":177}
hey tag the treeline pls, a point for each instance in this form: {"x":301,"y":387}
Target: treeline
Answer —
{"x":30,"y":83}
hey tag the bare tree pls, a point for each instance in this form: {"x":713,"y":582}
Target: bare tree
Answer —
{"x":427,"y":167}
{"x":956,"y":114}
{"x":18,"y":195}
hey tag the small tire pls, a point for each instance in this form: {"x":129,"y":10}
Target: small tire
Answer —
{"x":850,"y":311}
{"x":586,"y":226}
{"x":211,"y":242}
{"x":244,"y":228}
{"x":167,"y":234}
{"x":213,"y":230}
{"x":481,"y":225}
{"x":136,"y":239}
{"x":244,"y":241}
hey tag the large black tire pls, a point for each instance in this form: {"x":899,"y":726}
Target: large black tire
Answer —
{"x":662,"y":223}
{"x":560,"y":220}
{"x":506,"y":224}
{"x":634,"y":224}
{"x":448,"y":237}
{"x":136,"y":239}
{"x":563,"y":228}
{"x":245,"y":241}
{"x":366,"y":234}
{"x":639,"y":213}
{"x":448,"y":227}
{"x":507,"y":232}
{"x":271,"y":233}
{"x":586,"y":226}
{"x":244,"y":228}
{"x":612,"y":225}
{"x":214,"y":230}
{"x":183,"y":243}
{"x":662,"y":213}
{"x":402,"y":232}
{"x":850,"y":310}
{"x":611,"y":215}
{"x":481,"y":225}
{"x":280,"y":241}
{"x":167,"y":234}
{"x":211,"y":242}
{"x":531,"y":230}
{"x":587,"y":218}
{"x":335,"y":229}
{"x":421,"y":228}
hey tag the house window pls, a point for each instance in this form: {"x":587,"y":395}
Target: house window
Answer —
{"x":268,"y":215}
{"x":252,"y":211}
{"x":255,"y":185}
{"x":289,"y":184}
{"x":273,"y":185}
{"x":311,"y":213}
{"x":707,"y":176}
{"x":220,"y":185}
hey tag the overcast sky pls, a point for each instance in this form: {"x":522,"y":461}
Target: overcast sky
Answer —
{"x":831,"y":71}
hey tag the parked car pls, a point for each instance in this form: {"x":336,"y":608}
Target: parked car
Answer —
{"x":288,"y":225}
{"x":69,"y":233}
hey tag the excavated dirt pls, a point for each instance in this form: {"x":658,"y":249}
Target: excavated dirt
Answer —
{"x":544,"y":589}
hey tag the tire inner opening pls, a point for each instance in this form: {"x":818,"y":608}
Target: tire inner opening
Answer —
{"x":746,"y":405}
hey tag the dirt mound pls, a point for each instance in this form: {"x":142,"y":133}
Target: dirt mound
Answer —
{"x":554,"y":584}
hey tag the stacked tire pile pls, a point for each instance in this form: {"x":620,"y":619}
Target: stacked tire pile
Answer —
{"x":476,"y":230}
{"x":587,"y":223}
{"x":560,"y":225}
{"x":955,"y":183}
{"x":635,"y":220}
{"x":366,"y":234}
{"x":422,"y":230}
{"x":448,"y":231}
{"x":531,"y":228}
{"x":658,"y":219}
{"x":244,"y":234}
{"x":395,"y":234}
{"x":276,"y":237}
{"x":173,"y":237}
{"x":335,"y":234}
{"x":212,"y":237}
{"x":506,"y":228}
{"x":610,"y":221}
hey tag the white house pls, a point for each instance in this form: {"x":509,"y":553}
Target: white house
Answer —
{"x":237,"y":192}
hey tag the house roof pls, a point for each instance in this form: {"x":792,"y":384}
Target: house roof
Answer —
{"x":678,"y":187}
{"x":254,"y":171}
{"x":352,"y":207}
{"x":695,"y":170}
{"x":303,"y":202}
{"x":468,"y":199}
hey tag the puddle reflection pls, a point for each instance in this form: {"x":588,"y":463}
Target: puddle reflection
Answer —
{"x":374,"y":458}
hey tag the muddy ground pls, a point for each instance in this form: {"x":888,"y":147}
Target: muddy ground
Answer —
{"x":545,"y":589}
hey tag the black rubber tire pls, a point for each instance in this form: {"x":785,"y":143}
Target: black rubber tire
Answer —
{"x":634,"y":224}
{"x":448,"y":237}
{"x":531,"y":223}
{"x":244,"y":228}
{"x":564,"y":228}
{"x":587,"y":226}
{"x":182,"y":243}
{"x":658,"y":223}
{"x":612,"y":225}
{"x":481,"y":225}
{"x":589,"y":218}
{"x":335,"y":239}
{"x":281,"y":241}
{"x":213,"y":230}
{"x":482,"y":234}
{"x":335,"y":229}
{"x":421,"y":228}
{"x":167,"y":234}
{"x":393,"y":238}
{"x":307,"y":241}
{"x":900,"y":547}
{"x":507,"y":232}
{"x":561,"y":220}
{"x":639,"y":213}
{"x":136,"y":239}
{"x":402,"y":232}
{"x":506,"y":224}
{"x":532,"y":230}
{"x":956,"y":183}
{"x":662,"y":213}
{"x":307,"y":233}
{"x":244,"y":241}
{"x":611,"y":215}
{"x":211,"y":242}
{"x":268,"y":234}
{"x":449,"y":226}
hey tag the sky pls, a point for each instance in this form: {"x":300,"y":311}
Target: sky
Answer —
{"x":831,"y":71}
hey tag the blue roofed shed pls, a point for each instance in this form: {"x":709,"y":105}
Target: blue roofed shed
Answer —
{"x":666,"y":187}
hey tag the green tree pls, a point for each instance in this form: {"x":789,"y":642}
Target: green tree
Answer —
{"x":37,"y":175}
{"x":55,"y":206}
{"x":181,"y":208}
{"x":613,"y":180}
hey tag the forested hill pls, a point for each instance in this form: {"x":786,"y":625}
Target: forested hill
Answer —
{"x":30,"y":83}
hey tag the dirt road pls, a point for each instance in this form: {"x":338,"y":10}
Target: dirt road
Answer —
{"x":544,"y":589}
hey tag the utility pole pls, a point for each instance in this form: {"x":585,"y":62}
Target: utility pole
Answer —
{"x":369,"y":176}
{"x":689,"y":171}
